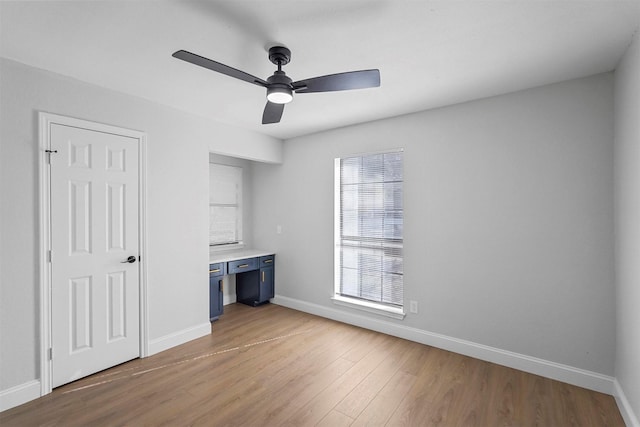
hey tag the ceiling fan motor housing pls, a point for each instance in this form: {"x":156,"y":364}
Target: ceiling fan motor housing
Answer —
{"x":279,"y":89}
{"x":279,"y":78}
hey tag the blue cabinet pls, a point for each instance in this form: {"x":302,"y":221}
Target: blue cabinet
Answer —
{"x":216,"y":273}
{"x":255,"y":282}
{"x":267,"y":277}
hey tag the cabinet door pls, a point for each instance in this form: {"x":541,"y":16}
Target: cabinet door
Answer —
{"x":220,"y":299}
{"x":215,"y":297}
{"x":267,"y":290}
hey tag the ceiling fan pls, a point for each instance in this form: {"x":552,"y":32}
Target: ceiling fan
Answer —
{"x":280,"y":87}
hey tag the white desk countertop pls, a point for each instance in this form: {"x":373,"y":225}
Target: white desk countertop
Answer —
{"x":225,"y":256}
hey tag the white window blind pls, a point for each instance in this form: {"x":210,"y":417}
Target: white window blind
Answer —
{"x":369,"y":228}
{"x":225,"y":204}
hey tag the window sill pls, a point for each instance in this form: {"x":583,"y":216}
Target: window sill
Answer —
{"x":227,"y":247}
{"x":395,"y":313}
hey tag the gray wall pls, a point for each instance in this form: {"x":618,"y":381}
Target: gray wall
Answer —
{"x":627,"y":207}
{"x":508,"y":219}
{"x":177,"y":205}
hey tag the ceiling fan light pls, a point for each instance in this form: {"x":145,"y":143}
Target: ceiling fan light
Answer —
{"x":279,"y":95}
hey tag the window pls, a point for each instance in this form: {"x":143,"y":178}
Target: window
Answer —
{"x":369,"y":232}
{"x":225,"y":205}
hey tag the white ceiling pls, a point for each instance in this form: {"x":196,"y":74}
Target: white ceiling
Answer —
{"x":430,"y":53}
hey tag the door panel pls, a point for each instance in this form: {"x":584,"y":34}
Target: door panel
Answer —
{"x":116,"y":304}
{"x":116,"y":216}
{"x":80,"y":217}
{"x":94,"y":228}
{"x":80,"y":329}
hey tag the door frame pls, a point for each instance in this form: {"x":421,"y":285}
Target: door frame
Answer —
{"x":45,"y":121}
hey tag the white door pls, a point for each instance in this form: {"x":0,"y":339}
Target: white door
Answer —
{"x":94,"y":230}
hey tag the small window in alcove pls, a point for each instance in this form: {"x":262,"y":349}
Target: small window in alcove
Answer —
{"x":225,"y":205}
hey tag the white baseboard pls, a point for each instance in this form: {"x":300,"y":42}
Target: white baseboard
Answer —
{"x":180,"y":337}
{"x":23,"y":393}
{"x":630,"y":418}
{"x":534,"y":365}
{"x":229,"y":299}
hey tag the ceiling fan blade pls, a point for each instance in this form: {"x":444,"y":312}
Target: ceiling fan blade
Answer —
{"x":216,"y":66}
{"x":272,"y":113}
{"x":341,"y":81}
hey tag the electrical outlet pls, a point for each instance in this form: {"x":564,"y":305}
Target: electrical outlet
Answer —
{"x":413,"y":307}
{"x":278,"y":229}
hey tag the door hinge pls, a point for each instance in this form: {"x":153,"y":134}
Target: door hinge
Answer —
{"x":49,"y":255}
{"x":50,"y":353}
{"x":50,"y":152}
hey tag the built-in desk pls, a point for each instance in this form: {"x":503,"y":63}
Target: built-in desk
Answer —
{"x":255,"y":273}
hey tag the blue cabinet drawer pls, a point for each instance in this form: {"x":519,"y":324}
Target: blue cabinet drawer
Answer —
{"x":243,"y":265}
{"x":217,"y":269}
{"x":267,"y":261}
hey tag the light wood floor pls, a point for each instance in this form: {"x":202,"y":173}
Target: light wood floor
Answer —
{"x":274,"y":366}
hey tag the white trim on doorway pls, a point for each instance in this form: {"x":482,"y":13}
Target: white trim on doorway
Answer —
{"x":45,"y":121}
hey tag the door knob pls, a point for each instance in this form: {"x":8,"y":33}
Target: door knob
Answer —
{"x":129,"y":260}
